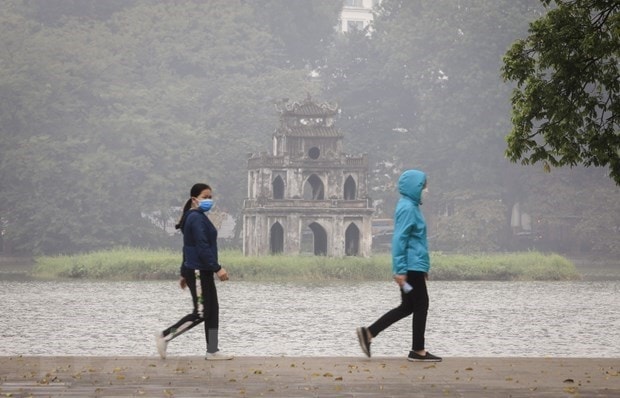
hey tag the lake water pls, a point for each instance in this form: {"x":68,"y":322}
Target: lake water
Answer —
{"x":80,"y":318}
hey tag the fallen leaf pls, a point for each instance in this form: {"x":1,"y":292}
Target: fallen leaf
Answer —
{"x":571,"y":390}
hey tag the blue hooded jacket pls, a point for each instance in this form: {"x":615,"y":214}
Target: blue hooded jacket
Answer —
{"x":409,"y":244}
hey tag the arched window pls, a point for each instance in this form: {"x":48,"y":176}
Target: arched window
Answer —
{"x":352,"y":240}
{"x":276,"y":239}
{"x":278,"y":188}
{"x":313,"y":188}
{"x":350,"y":189}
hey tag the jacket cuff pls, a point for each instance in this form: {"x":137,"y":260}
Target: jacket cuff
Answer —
{"x":184,"y":271}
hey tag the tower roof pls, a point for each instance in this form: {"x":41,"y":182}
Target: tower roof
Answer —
{"x":307,"y":119}
{"x":310,"y":131}
{"x":307,"y":108}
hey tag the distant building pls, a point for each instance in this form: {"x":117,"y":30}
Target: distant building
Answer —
{"x":307,"y":196}
{"x":356,"y":14}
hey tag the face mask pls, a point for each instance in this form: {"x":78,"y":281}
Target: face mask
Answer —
{"x":205,"y":204}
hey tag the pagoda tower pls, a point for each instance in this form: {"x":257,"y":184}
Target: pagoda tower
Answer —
{"x":307,"y":196}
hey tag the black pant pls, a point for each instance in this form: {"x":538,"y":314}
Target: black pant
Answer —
{"x":416,"y":302}
{"x":206,"y":309}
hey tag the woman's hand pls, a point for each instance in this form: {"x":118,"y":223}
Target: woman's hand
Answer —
{"x":182,"y":283}
{"x":400,"y":279}
{"x":222,"y":274}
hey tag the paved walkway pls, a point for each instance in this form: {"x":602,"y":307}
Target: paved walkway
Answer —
{"x":307,"y":377}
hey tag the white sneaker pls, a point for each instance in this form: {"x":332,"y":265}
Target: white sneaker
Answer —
{"x":161,"y":344}
{"x":218,"y":356}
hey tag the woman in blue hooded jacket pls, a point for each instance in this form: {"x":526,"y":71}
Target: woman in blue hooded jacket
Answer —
{"x":410,"y":266}
{"x":198,"y":267}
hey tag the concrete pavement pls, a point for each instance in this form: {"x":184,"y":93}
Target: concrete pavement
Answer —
{"x":307,"y":377}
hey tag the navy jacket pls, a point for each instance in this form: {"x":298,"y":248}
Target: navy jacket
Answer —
{"x":199,"y":242}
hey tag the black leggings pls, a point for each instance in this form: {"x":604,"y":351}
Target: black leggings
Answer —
{"x":415,"y":302}
{"x":206,"y":309}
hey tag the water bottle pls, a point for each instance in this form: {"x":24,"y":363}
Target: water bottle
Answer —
{"x":407,"y":288}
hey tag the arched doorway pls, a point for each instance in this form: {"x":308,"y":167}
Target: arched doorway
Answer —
{"x":349,"y":189}
{"x":313,"y":188}
{"x":278,"y":188}
{"x":315,"y":240}
{"x":352,"y":240}
{"x":276,"y":239}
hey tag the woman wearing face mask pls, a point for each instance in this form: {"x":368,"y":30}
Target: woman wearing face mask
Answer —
{"x":199,"y":264}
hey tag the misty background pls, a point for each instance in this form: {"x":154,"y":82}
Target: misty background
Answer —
{"x":111,"y":110}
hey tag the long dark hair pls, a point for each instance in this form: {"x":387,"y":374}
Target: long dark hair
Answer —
{"x":194,"y":192}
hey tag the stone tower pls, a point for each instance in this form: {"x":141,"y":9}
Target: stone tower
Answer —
{"x":307,"y":196}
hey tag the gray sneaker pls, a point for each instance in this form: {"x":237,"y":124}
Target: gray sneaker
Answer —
{"x":161,"y":344}
{"x":218,"y":356}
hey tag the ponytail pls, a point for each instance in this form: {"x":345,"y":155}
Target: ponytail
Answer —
{"x":194,"y":192}
{"x":186,"y":208}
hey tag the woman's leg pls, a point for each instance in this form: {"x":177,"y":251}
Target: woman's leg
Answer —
{"x":190,"y":320}
{"x":420,"y":308}
{"x":211,"y":310}
{"x":394,"y":315}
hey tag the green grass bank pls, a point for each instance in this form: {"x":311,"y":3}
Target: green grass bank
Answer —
{"x":141,"y":264}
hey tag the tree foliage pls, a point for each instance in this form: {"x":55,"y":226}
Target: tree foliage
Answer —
{"x":430,"y":90}
{"x":111,"y":110}
{"x":566,"y":107}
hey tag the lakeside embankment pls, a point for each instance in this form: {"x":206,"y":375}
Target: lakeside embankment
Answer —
{"x":308,"y":377}
{"x":139,"y":264}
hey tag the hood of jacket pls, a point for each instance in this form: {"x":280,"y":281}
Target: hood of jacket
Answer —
{"x":411,"y":183}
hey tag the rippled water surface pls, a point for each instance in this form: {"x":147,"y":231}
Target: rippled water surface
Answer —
{"x":566,"y":319}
